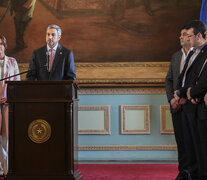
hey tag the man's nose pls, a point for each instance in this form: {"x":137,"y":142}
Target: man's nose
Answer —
{"x":181,"y":36}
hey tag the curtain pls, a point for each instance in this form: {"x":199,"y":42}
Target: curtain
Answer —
{"x":203,"y":12}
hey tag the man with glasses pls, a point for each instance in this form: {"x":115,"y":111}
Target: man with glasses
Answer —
{"x":176,"y":66}
{"x":188,"y":78}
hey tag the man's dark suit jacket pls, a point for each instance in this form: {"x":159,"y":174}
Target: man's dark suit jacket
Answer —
{"x":173,"y":74}
{"x":63,"y":65}
{"x":199,"y":90}
{"x":191,"y":78}
{"x":193,"y":71}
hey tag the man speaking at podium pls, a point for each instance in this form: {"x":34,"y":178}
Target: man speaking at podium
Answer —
{"x":53,"y":61}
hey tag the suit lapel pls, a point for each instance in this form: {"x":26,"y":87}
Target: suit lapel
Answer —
{"x":198,"y":57}
{"x":178,"y":62}
{"x":44,"y":56}
{"x":199,"y":60}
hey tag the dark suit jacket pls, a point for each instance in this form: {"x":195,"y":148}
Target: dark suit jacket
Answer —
{"x":171,"y":79}
{"x":198,"y":91}
{"x":200,"y":88}
{"x":192,"y":76}
{"x":193,"y":72}
{"x":63,"y":65}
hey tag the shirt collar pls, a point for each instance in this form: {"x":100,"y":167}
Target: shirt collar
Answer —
{"x":201,"y":47}
{"x":191,"y":49}
{"x":54,"y":48}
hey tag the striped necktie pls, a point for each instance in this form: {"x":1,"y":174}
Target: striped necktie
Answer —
{"x":181,"y":76}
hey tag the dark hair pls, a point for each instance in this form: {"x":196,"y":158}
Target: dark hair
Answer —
{"x":184,"y":27}
{"x":3,"y":41}
{"x":198,"y":27}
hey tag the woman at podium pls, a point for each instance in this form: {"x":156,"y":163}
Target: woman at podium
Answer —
{"x":8,"y":67}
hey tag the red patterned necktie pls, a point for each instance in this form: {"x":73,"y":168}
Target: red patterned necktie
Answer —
{"x":51,"y":58}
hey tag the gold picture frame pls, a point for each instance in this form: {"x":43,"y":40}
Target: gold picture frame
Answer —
{"x":146,"y":119}
{"x":164,"y":121}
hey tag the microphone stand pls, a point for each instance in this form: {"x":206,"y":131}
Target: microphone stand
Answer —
{"x":22,"y":73}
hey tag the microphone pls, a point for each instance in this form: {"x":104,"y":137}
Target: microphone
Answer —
{"x":30,"y":70}
{"x":48,"y":53}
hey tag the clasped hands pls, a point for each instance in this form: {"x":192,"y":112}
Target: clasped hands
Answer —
{"x":176,"y":102}
{"x":182,"y":100}
{"x":3,"y":100}
{"x":195,"y":100}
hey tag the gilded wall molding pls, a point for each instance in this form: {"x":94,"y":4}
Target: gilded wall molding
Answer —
{"x":122,"y":72}
{"x":23,"y":67}
{"x":141,"y":90}
{"x":124,"y":64}
{"x":106,"y":129}
{"x":117,"y":74}
{"x":163,"y":129}
{"x":118,"y":82}
{"x":126,"y":147}
{"x":146,"y":109}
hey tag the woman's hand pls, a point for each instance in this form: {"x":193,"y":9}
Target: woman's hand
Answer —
{"x":3,"y":100}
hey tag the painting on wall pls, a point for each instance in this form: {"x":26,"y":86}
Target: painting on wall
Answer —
{"x":104,"y":30}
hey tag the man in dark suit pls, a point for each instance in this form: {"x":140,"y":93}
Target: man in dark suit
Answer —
{"x":53,"y":61}
{"x":196,"y":94}
{"x":176,"y":66}
{"x":188,"y":78}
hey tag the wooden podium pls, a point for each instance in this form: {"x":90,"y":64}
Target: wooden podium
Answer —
{"x":43,"y":130}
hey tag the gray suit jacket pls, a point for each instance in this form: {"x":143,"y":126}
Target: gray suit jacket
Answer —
{"x":173,"y":74}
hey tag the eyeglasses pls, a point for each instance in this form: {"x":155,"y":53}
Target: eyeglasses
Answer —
{"x":190,"y":35}
{"x":186,"y":35}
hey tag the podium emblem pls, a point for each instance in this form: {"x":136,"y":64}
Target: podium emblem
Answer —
{"x":39,"y":131}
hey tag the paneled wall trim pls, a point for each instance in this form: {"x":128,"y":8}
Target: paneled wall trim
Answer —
{"x":94,"y":119}
{"x":135,"y":119}
{"x":125,"y":147}
{"x":166,"y":126}
{"x":126,"y":90}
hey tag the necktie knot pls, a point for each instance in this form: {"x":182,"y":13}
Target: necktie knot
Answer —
{"x":51,"y":52}
{"x":189,"y":56}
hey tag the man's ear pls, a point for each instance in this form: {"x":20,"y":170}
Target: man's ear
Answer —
{"x":59,"y":37}
{"x":199,"y":35}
